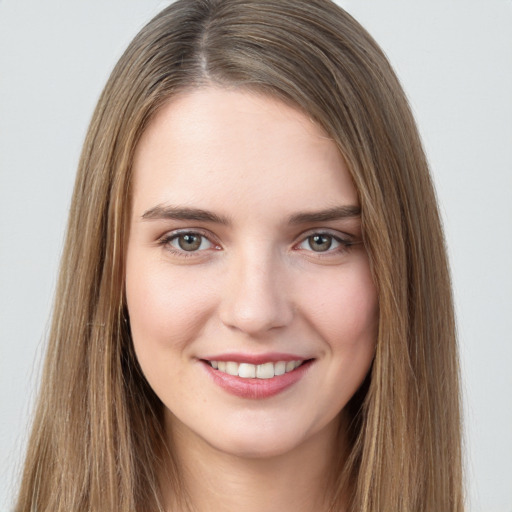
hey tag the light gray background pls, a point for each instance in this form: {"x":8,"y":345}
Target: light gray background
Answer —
{"x":454,"y":58}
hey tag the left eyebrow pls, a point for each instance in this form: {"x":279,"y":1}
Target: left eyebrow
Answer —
{"x":336,"y":213}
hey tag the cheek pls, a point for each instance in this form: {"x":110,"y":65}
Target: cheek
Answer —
{"x":344,"y":308}
{"x":165,"y":308}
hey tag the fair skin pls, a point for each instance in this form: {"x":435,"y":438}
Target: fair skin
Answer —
{"x":245,"y":257}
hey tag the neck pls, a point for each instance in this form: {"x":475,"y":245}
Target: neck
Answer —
{"x":300,"y":480}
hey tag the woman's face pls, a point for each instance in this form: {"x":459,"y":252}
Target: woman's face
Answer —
{"x":245,"y":260}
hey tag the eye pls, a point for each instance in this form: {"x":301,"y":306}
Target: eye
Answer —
{"x":324,"y":243}
{"x":320,"y":242}
{"x":187,"y":241}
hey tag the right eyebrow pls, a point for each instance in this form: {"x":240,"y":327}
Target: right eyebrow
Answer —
{"x":163,"y":212}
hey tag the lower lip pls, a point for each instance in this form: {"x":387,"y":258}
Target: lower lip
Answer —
{"x":257,"y":389}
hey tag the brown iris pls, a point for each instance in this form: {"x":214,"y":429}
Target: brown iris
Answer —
{"x":320,"y":243}
{"x":189,"y":241}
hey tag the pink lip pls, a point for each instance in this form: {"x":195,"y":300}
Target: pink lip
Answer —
{"x":256,"y":388}
{"x":272,"y":357}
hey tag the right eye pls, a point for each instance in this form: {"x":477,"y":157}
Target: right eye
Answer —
{"x":186,"y":242}
{"x":190,"y":242}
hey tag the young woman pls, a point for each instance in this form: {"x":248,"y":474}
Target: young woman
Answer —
{"x":254,"y":308}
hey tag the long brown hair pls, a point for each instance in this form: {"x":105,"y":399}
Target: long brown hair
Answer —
{"x":97,"y":441}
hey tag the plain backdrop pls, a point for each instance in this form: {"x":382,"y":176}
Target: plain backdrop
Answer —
{"x":454,"y":58}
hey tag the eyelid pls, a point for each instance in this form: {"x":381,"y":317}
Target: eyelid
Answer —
{"x":337,"y":235}
{"x":169,"y":236}
{"x":344,"y":240}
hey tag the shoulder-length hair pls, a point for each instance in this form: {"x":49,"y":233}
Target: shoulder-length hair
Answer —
{"x":97,"y":441}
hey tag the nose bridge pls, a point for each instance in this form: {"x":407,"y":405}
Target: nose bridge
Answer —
{"x":255,"y":298}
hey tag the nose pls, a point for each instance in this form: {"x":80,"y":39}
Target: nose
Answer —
{"x":255,"y":298}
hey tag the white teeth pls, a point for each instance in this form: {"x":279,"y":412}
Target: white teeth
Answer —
{"x":265,"y":371}
{"x":290,"y":365}
{"x":247,"y":371}
{"x":231,"y":368}
{"x":251,"y":371}
{"x":280,"y":368}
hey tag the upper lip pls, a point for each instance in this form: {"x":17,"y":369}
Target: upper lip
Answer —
{"x":271,"y":357}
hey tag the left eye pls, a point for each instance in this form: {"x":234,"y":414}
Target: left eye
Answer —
{"x":320,"y":242}
{"x":189,"y":242}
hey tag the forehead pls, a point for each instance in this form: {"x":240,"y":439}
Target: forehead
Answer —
{"x":219,"y":147}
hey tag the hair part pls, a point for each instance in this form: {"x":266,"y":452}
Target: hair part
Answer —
{"x":98,"y":442}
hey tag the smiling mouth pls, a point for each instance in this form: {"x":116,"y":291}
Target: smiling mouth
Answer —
{"x":256,"y":371}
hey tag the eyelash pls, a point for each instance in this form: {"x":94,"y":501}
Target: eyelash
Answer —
{"x":344,"y":243}
{"x":168,"y":238}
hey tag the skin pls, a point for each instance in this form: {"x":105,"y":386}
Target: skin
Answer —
{"x":256,"y":284}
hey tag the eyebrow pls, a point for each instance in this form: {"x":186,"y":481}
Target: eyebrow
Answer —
{"x":336,"y":213}
{"x":161,"y":212}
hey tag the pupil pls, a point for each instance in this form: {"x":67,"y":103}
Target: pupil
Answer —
{"x":320,"y":243}
{"x":189,"y":242}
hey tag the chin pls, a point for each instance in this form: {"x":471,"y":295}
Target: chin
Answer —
{"x":257,"y":449}
{"x":265,"y":440}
